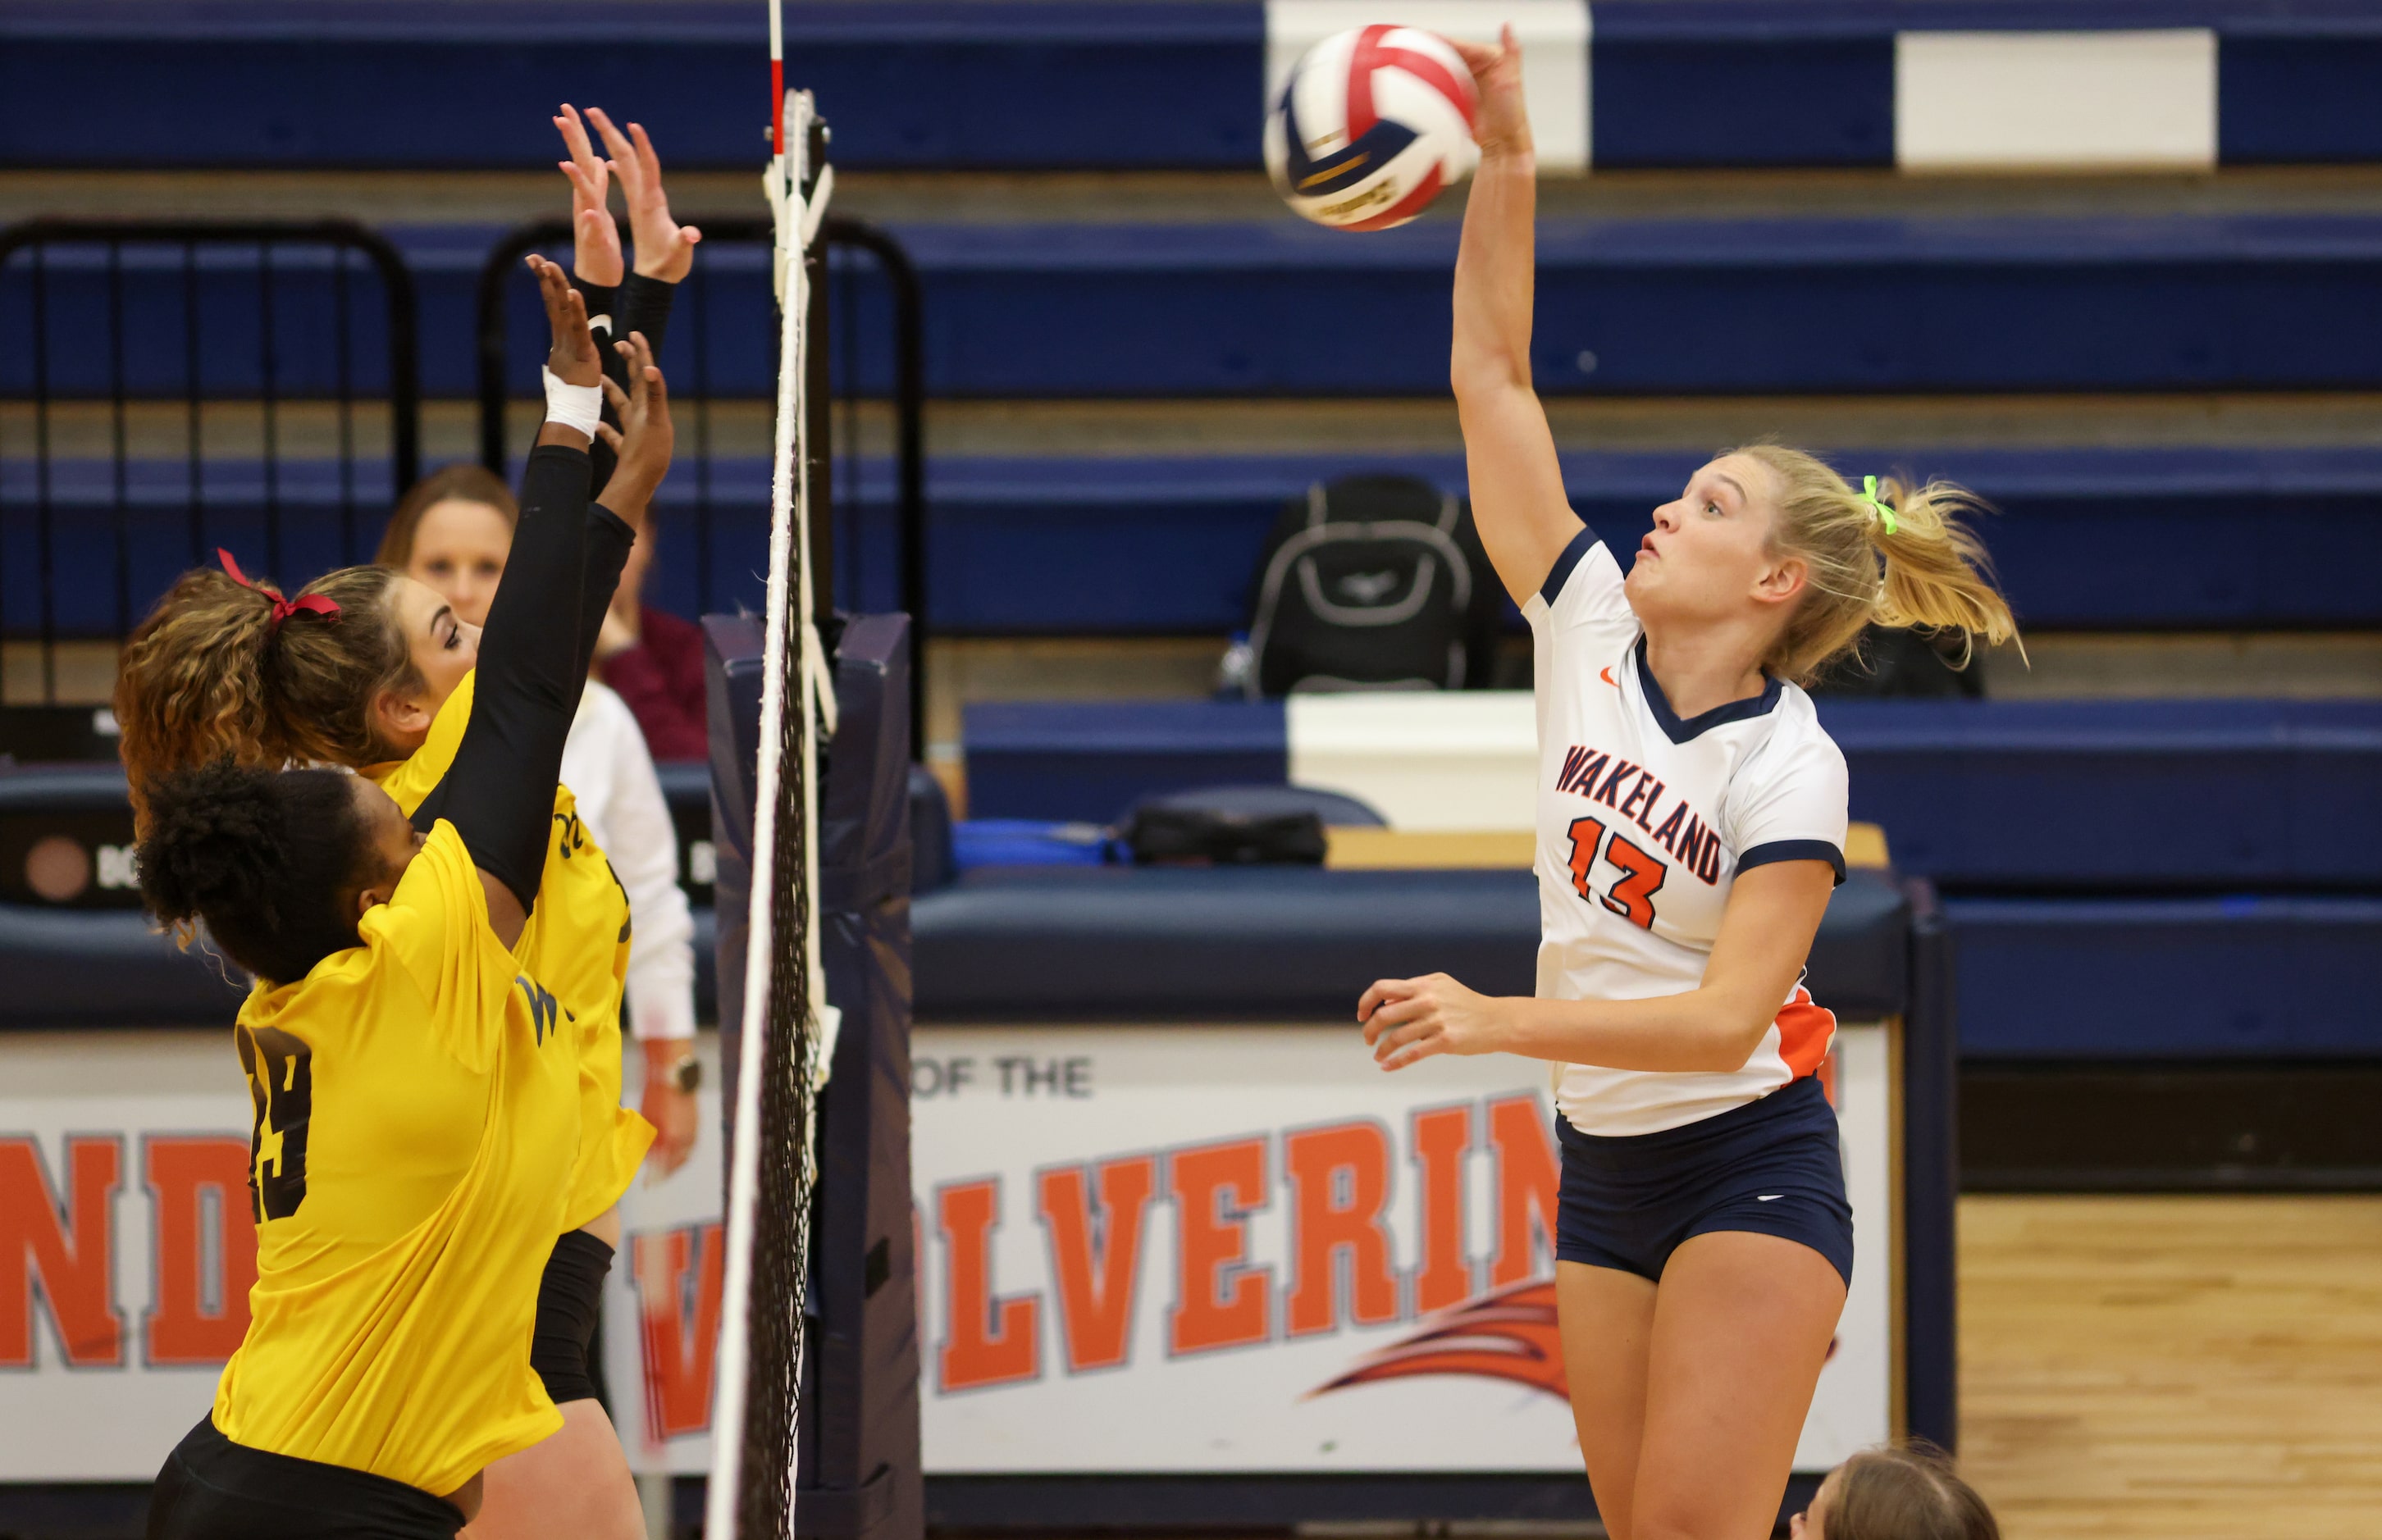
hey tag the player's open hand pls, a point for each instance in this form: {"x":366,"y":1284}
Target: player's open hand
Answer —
{"x":1407,"y":1020}
{"x":595,"y":252}
{"x":573,"y":357}
{"x":664,"y":247}
{"x":646,"y":438}
{"x":1502,"y":125}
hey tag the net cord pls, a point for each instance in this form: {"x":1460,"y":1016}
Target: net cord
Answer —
{"x":789,"y":583}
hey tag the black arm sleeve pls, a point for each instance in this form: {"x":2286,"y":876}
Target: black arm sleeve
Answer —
{"x":640,"y":304}
{"x":645,"y":306}
{"x":602,"y":302}
{"x":604,"y":324}
{"x":609,"y":539}
{"x":499,"y":792}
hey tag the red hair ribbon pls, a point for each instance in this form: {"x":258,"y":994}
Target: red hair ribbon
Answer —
{"x":312,"y":604}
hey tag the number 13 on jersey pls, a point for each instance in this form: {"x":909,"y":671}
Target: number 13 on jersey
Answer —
{"x":1632,"y":897}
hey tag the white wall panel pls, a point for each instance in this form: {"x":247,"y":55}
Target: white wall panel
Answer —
{"x":2055,"y":100}
{"x":1463,"y":761}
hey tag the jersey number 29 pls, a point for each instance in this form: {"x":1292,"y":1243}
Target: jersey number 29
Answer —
{"x":1641,"y":874}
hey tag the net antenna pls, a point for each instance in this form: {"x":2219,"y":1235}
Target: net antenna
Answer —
{"x":789,"y":1028}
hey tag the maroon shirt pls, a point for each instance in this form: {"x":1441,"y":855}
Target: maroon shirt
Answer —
{"x":662,"y":678}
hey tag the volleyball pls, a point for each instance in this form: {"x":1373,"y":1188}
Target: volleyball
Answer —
{"x":1372,"y":124}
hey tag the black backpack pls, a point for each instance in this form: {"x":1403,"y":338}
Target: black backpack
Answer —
{"x":1239,"y":825}
{"x":1900,"y":665}
{"x":1373,"y":582}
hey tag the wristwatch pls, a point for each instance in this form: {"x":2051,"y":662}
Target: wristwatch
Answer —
{"x":685,"y":1075}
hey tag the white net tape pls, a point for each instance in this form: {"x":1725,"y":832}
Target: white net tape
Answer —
{"x":788,"y":1027}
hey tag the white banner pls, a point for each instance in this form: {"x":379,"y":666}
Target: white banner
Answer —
{"x":1310,"y":1266}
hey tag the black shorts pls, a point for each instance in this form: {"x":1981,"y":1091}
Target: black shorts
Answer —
{"x":569,"y":1294}
{"x":1771,"y":1166}
{"x":213,"y":1489}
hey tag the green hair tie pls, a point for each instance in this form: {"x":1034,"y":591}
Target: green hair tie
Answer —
{"x":1878,"y":510}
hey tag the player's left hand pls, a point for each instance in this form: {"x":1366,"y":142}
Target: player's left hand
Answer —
{"x":644,"y":440}
{"x":573,"y":357}
{"x":1407,"y":1020}
{"x":664,"y":248}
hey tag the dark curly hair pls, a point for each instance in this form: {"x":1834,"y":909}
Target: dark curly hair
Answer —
{"x":270,"y":860}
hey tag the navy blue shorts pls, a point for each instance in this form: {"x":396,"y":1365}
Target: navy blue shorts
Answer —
{"x":1770,"y":1166}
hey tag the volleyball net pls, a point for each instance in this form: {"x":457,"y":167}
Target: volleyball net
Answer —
{"x":789,"y":1031}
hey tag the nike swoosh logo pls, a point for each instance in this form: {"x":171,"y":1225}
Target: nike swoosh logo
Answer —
{"x":1605,"y":673}
{"x":1769,"y":1197}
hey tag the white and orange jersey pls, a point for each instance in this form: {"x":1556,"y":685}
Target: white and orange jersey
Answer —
{"x":1644,"y":820}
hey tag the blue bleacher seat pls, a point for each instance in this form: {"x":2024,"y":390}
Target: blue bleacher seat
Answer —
{"x":2152,"y":539}
{"x":1770,"y":305}
{"x":1090,"y":761}
{"x":946,"y":83}
{"x":416,"y":82}
{"x":1633,"y":306}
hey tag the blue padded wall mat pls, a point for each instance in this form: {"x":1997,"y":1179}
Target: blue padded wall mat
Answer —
{"x":2242,"y":977}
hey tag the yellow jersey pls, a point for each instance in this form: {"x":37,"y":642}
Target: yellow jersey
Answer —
{"x":576,"y":944}
{"x":417,"y":1117}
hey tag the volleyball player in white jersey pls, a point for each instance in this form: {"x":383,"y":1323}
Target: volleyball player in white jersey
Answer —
{"x":1690,"y":828}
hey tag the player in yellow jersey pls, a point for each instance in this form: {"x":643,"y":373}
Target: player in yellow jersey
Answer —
{"x":418,"y":1087}
{"x":212,"y":672}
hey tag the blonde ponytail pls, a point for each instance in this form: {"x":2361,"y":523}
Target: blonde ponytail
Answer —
{"x":1902,"y":557}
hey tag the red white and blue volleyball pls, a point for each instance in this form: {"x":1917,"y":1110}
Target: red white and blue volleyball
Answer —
{"x":1371,"y":124}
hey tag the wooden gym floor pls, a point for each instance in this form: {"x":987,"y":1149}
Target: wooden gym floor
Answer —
{"x":2173,"y":1368}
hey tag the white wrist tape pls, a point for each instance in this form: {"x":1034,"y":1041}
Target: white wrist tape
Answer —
{"x":580,"y":407}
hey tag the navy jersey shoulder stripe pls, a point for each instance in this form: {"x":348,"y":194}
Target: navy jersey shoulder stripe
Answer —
{"x":1793,"y":850}
{"x":1560,"y":573}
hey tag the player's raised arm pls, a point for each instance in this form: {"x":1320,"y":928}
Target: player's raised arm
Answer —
{"x":1518,"y":494}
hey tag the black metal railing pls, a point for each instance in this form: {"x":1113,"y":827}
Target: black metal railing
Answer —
{"x":722,"y":359}
{"x":142,"y":347}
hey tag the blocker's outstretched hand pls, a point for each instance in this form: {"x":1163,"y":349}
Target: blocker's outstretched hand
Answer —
{"x":664,"y":248}
{"x":646,"y":438}
{"x":595,"y":251}
{"x":572,"y":356}
{"x":1504,"y":124}
{"x":1407,"y":1020}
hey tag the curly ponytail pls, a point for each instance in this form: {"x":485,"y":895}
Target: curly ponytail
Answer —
{"x":211,"y":676}
{"x":269,"y":859}
{"x":1924,"y":567}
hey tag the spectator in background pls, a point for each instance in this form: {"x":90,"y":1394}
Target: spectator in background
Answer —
{"x":655,"y":661}
{"x":452,"y":533}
